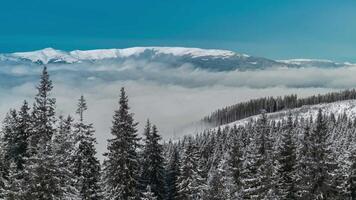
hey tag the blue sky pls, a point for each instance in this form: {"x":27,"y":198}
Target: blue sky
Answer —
{"x":268,"y":28}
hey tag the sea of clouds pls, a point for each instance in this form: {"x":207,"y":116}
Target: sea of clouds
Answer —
{"x":171,"y":97}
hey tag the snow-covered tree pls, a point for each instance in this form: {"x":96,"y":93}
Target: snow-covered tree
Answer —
{"x":41,"y":173}
{"x":190,"y":183}
{"x":323,"y":185}
{"x":64,"y":149}
{"x":173,"y":172}
{"x":286,"y":171}
{"x":153,"y":165}
{"x":86,"y":165}
{"x":121,"y":167}
{"x":43,"y":113}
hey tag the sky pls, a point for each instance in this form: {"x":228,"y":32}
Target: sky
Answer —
{"x":174,"y":97}
{"x":277,"y":29}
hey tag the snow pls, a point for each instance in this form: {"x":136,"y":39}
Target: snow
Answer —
{"x":347,"y":107}
{"x":299,"y":61}
{"x":52,"y":55}
{"x":46,"y":55}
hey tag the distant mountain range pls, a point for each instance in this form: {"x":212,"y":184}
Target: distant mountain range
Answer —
{"x":209,"y":59}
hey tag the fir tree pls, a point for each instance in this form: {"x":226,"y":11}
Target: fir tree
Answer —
{"x":86,"y":165}
{"x":42,"y":175}
{"x":23,"y":129}
{"x":287,"y":163}
{"x":153,"y":173}
{"x":172,"y":175}
{"x":121,"y":166}
{"x":190,"y":182}
{"x":236,"y":161}
{"x":257,"y":175}
{"x":43,"y":114}
{"x":324,"y":164}
{"x":64,"y":148}
{"x":221,"y":184}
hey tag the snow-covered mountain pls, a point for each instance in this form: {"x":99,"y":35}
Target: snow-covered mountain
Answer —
{"x":338,"y":108}
{"x":50,"y":55}
{"x":211,"y":59}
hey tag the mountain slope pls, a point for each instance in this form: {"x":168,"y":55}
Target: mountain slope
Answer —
{"x":211,"y":59}
{"x":347,"y":107}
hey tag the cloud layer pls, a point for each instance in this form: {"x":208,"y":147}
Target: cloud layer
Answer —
{"x":171,"y":97}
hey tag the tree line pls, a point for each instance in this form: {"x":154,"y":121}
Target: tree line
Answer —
{"x":293,"y":158}
{"x":272,"y":104}
{"x":46,"y":157}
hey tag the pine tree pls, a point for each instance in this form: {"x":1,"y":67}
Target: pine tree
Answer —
{"x":287,"y":163}
{"x":86,"y":165}
{"x":23,"y":130}
{"x":305,"y":164}
{"x":9,"y":138}
{"x":221,"y":184}
{"x":42,"y":175}
{"x":43,"y":114}
{"x":121,"y":166}
{"x":172,"y":175}
{"x":153,"y":172}
{"x":257,"y":173}
{"x":190,"y":182}
{"x":250,"y":173}
{"x":236,"y":161}
{"x":324,"y":164}
{"x":64,"y":148}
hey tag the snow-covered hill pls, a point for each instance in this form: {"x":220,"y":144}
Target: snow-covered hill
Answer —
{"x":211,"y":59}
{"x":50,"y":55}
{"x":347,"y":107}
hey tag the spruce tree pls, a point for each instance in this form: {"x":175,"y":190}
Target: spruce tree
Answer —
{"x":287,"y":163}
{"x":305,"y":164}
{"x":324,"y":165}
{"x":236,"y":161}
{"x":153,"y":172}
{"x":173,"y":172}
{"x":64,"y":148}
{"x":121,"y":165}
{"x":42,"y":175}
{"x":190,"y":182}
{"x":43,"y":113}
{"x":86,"y":165}
{"x":257,"y":171}
{"x":23,"y":130}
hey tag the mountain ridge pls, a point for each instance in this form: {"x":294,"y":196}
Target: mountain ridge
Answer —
{"x":211,"y":59}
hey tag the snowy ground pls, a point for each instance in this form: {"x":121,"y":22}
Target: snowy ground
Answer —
{"x":338,"y":108}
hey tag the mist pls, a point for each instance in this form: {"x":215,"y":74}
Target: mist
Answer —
{"x":171,"y":97}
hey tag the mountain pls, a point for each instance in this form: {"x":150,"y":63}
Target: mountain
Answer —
{"x":339,"y":108}
{"x":209,"y":59}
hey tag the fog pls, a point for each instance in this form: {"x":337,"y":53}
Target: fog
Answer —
{"x":171,"y":97}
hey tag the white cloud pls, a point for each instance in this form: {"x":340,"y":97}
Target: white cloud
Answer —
{"x":170,"y":96}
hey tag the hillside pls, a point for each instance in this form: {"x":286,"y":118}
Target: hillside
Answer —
{"x":339,"y":108}
{"x":210,"y":59}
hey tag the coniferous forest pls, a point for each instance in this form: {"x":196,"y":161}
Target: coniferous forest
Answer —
{"x":50,"y":157}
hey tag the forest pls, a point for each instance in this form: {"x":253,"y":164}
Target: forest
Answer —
{"x":273,"y":104}
{"x":48,"y":157}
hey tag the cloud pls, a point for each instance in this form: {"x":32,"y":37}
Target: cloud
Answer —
{"x":170,"y":96}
